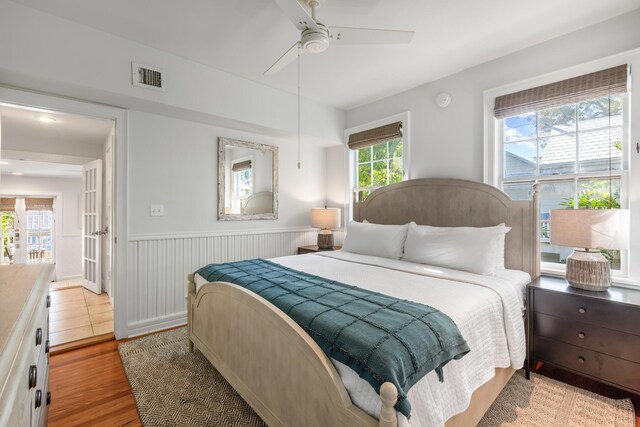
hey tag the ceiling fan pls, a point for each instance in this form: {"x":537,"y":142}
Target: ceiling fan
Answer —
{"x":315,"y":36}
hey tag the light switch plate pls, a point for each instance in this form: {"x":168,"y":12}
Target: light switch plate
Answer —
{"x":156,"y":210}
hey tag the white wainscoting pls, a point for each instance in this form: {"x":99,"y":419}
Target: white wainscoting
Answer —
{"x":158,"y":266}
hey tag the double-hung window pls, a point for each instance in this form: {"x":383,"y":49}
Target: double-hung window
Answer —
{"x":570,"y":138}
{"x":39,"y":229}
{"x":378,"y":158}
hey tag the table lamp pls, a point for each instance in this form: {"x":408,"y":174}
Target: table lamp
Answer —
{"x":588,"y":231}
{"x":325,"y":219}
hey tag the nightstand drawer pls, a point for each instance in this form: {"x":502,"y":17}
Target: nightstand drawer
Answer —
{"x":603,"y":340}
{"x":618,"y":317}
{"x":617,"y":371}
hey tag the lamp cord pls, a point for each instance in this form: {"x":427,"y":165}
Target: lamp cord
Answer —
{"x":610,"y":164}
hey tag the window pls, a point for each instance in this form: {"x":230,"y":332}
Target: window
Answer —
{"x":378,"y":158}
{"x":574,"y":150}
{"x":39,"y":236}
{"x":8,"y":237}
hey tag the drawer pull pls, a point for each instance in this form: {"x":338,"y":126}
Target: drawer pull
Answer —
{"x":38,"y":398}
{"x":48,"y":301}
{"x":582,"y":310}
{"x":33,"y":376}
{"x":38,"y":336}
{"x":581,"y":335}
{"x":48,"y":398}
{"x":581,"y":360}
{"x":46,"y":347}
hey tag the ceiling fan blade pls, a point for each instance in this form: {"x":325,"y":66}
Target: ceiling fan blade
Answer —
{"x":297,"y":13}
{"x":347,"y":35}
{"x":286,"y":59}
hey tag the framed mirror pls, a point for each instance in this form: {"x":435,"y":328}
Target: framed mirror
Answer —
{"x":247,"y":180}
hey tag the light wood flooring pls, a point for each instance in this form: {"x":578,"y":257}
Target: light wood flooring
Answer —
{"x":77,"y":313}
{"x":89,"y":387}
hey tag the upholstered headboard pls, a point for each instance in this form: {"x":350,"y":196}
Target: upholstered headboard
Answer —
{"x":459,"y":203}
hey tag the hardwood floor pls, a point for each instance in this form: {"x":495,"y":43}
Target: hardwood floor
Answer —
{"x":89,"y":387}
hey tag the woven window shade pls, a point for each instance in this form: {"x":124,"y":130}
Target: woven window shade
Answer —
{"x":375,"y":136}
{"x":241,"y":166}
{"x":8,"y":204}
{"x":39,"y":203}
{"x":594,"y":85}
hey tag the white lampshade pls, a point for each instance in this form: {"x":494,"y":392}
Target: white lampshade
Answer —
{"x":590,"y":228}
{"x":325,"y":218}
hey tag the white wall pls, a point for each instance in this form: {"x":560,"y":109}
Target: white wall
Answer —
{"x":174,"y":163}
{"x":450,"y":142}
{"x":68,"y":232}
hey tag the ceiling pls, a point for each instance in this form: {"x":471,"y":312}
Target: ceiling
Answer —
{"x":41,"y":169}
{"x":22,"y":132}
{"x":245,"y":37}
{"x":21,"y":124}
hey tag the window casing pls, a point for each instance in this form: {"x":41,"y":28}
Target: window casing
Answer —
{"x":577,"y":154}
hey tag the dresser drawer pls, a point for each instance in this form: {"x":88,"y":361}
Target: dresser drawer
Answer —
{"x":620,"y":372}
{"x":586,"y":335}
{"x":620,"y":317}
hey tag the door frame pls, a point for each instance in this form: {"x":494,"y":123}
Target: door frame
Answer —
{"x":43,"y":102}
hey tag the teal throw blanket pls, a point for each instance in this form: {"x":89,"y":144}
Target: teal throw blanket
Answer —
{"x":380,"y":337}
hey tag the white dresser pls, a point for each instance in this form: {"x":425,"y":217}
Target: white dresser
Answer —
{"x":24,"y":344}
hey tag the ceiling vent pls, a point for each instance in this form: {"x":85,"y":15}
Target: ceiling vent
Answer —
{"x":145,"y":76}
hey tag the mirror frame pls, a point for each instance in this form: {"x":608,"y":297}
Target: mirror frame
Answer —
{"x":228,"y":142}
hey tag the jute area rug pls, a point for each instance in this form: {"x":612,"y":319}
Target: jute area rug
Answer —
{"x":173,"y":387}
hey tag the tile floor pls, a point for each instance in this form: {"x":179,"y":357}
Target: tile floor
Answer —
{"x":77,"y":313}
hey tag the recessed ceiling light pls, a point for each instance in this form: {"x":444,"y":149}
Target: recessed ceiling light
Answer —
{"x":46,"y":119}
{"x":4,"y":163}
{"x":17,"y":173}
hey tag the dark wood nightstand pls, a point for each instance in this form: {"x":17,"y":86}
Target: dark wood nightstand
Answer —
{"x":315,"y":248}
{"x":593,"y":334}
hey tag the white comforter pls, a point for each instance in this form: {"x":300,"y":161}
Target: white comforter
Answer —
{"x":486,"y":309}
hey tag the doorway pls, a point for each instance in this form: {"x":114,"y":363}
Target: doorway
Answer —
{"x":52,"y":191}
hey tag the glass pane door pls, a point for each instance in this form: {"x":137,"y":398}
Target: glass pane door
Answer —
{"x":39,"y":236}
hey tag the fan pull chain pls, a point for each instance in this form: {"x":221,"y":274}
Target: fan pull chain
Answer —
{"x":298,"y":105}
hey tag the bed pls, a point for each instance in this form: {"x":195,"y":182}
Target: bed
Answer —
{"x":285,"y":377}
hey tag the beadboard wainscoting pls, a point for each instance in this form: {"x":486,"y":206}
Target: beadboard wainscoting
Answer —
{"x":158,"y":266}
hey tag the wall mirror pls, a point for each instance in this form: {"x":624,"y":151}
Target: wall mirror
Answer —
{"x":247,"y":180}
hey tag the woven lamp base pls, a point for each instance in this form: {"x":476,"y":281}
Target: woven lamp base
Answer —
{"x":588,"y":270}
{"x":325,"y":239}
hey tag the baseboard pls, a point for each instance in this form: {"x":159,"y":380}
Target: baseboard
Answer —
{"x":156,"y":324}
{"x":70,"y":278}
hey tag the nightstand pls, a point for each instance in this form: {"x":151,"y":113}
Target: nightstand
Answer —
{"x":314,"y":248}
{"x":594,"y":334}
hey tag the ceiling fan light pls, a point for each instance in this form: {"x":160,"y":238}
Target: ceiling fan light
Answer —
{"x":315,"y":41}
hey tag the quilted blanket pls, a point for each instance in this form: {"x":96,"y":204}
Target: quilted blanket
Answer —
{"x":382,"y":338}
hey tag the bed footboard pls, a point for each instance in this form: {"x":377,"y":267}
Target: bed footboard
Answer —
{"x":273,"y":363}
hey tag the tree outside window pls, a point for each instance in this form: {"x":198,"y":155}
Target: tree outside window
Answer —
{"x":378,"y":165}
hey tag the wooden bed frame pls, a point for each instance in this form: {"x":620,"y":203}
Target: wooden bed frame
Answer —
{"x":283,"y":374}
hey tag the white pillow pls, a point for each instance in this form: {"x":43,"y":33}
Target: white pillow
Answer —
{"x":476,"y":250}
{"x":375,"y":239}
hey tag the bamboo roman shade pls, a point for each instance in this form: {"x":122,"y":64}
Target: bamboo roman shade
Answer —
{"x":375,"y":136}
{"x":8,"y":204}
{"x":241,"y":166}
{"x":39,"y":203}
{"x":594,"y":85}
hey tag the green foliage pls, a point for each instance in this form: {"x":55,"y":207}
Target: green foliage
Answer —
{"x":379,"y":165}
{"x":617,"y":144}
{"x":595,"y":195}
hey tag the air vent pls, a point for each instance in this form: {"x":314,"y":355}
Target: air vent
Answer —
{"x":145,"y":76}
